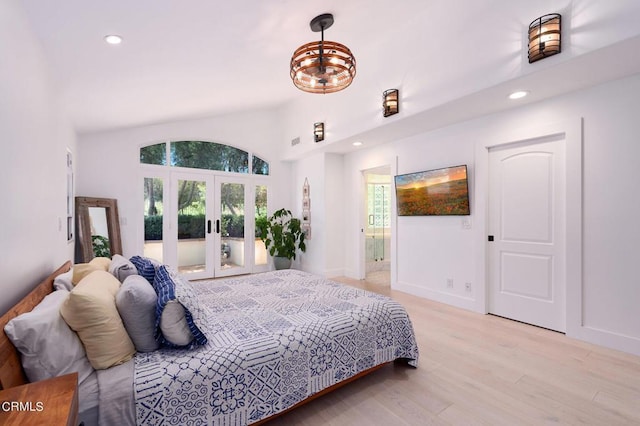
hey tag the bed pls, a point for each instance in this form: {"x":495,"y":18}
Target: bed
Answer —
{"x":275,"y":340}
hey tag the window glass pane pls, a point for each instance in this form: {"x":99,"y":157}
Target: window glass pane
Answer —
{"x":153,"y":218}
{"x":378,"y":205}
{"x":378,"y":219}
{"x":209,"y":156}
{"x":259,"y":166}
{"x":191,"y":226}
{"x":260,"y":216}
{"x":154,"y":154}
{"x":232,"y":227}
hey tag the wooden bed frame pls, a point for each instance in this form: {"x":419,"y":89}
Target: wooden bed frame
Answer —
{"x":12,"y":374}
{"x":321,"y":393}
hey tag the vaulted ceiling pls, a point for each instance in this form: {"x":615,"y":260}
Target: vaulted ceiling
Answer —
{"x":200,"y":58}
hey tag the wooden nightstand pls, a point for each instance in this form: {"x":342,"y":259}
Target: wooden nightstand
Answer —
{"x":48,"y":402}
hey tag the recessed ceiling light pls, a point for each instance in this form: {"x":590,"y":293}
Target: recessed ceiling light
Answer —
{"x":113,"y":39}
{"x":357,"y":143}
{"x":519,"y":94}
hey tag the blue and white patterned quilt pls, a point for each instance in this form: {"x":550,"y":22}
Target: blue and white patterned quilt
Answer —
{"x":274,"y":339}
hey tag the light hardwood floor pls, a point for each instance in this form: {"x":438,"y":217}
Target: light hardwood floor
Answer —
{"x":484,"y":370}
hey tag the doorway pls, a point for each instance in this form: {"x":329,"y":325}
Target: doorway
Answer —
{"x":208,"y":226}
{"x":377,"y":229}
{"x":210,"y":230}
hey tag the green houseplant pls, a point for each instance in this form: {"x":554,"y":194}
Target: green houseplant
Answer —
{"x":282,"y":236}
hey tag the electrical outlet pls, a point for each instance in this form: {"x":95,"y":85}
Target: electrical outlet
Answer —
{"x":467,"y":286}
{"x":449,"y":282}
{"x":466,"y":222}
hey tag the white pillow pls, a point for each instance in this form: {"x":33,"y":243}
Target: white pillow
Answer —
{"x":47,"y":345}
{"x":64,"y":281}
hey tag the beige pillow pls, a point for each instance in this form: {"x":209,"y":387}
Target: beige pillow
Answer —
{"x":90,"y":310}
{"x":81,"y":270}
{"x":101,"y":263}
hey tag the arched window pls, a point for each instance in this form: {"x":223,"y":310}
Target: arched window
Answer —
{"x":260,"y":167}
{"x":154,"y":154}
{"x":203,"y":155}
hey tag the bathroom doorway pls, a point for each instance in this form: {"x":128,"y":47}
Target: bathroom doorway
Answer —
{"x":377,"y":229}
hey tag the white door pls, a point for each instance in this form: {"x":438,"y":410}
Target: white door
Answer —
{"x":234,"y":233}
{"x":527,"y":261}
{"x":190,"y":243}
{"x":208,"y":230}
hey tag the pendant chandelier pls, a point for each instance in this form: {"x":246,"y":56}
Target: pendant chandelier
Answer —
{"x":322,"y":66}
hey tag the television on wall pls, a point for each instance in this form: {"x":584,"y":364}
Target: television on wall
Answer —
{"x":439,"y":192}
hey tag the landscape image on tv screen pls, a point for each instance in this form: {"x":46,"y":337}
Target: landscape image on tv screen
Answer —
{"x":441,"y":192}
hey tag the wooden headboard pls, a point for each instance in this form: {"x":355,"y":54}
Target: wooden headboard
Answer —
{"x":11,"y":372}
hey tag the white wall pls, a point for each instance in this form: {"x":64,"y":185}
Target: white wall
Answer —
{"x":109,"y":163}
{"x":334,"y":215}
{"x":326,"y":248}
{"x":312,"y":169}
{"x":430,"y":249}
{"x":422,"y":247}
{"x":35,"y":137}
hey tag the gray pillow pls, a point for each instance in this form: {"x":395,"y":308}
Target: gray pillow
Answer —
{"x":179,"y":325}
{"x":48,"y":347}
{"x":136,"y":303}
{"x":121,"y":267}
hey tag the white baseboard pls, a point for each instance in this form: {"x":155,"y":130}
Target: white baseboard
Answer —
{"x":606,"y":338}
{"x":467,"y":303}
{"x":337,"y":272}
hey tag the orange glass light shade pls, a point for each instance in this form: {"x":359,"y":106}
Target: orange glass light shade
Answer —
{"x":390,"y":102}
{"x":322,"y":66}
{"x":544,"y":37}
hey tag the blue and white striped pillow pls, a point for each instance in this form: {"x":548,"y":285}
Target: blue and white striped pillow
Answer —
{"x":145,"y":267}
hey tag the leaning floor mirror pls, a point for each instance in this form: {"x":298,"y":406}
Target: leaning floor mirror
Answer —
{"x":97,"y":228}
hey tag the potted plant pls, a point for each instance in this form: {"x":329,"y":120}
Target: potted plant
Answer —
{"x":282,"y":236}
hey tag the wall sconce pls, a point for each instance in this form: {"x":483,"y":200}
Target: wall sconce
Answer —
{"x":390,"y":103}
{"x":544,"y":37}
{"x":318,"y":132}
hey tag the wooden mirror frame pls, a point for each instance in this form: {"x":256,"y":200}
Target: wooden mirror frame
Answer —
{"x":84,"y":245}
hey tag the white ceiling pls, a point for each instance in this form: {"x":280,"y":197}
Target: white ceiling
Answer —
{"x":197,"y":58}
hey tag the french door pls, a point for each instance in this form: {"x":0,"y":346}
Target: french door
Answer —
{"x":210,"y":234}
